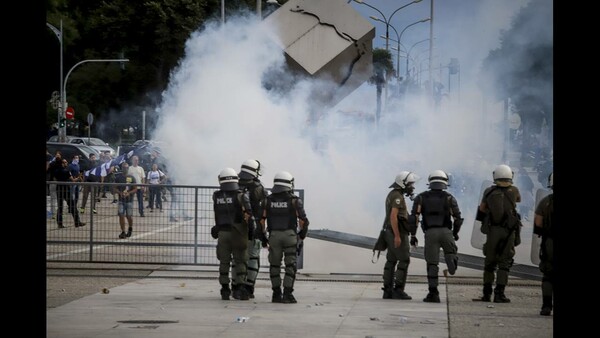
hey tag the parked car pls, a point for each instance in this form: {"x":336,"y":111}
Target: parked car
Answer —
{"x":93,"y":142}
{"x":68,"y":150}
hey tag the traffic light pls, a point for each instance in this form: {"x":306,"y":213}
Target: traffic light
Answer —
{"x":61,"y":122}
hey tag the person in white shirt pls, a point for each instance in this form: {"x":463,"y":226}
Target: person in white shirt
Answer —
{"x":155,"y":178}
{"x":140,"y":177}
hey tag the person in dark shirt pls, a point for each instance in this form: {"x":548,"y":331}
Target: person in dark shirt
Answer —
{"x":77,"y":175}
{"x":63,"y":192}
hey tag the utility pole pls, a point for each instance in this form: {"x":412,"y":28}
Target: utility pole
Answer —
{"x":431,"y":52}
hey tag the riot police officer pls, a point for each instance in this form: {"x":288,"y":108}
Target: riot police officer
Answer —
{"x":283,"y":216}
{"x":397,"y":257}
{"x":497,"y":206}
{"x":441,"y":224}
{"x":249,"y":181}
{"x":234,"y":222}
{"x":544,"y":213}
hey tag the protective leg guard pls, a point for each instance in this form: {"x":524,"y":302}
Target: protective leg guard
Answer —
{"x":499,"y":296}
{"x":452,"y":263}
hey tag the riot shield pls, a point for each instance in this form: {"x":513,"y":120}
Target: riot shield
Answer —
{"x":477,"y":237}
{"x":536,"y":240}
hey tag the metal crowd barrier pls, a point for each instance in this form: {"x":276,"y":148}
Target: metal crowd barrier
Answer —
{"x":178,"y":233}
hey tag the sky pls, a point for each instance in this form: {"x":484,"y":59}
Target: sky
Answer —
{"x":216,"y":114}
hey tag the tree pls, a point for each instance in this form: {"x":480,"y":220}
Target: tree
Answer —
{"x":151,"y":34}
{"x":382,"y":67}
{"x":522,"y":67}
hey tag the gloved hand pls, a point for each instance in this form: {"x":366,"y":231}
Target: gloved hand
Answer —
{"x":299,"y":246}
{"x":456,"y":227}
{"x":414,"y":241}
{"x":262,"y":237}
{"x":304,"y":230}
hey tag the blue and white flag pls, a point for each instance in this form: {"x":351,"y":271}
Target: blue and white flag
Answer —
{"x":104,"y":168}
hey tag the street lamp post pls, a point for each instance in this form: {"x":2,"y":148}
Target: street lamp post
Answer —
{"x":63,"y":98}
{"x":400,"y":38}
{"x":398,"y":59}
{"x":222,"y":12}
{"x":431,"y":49}
{"x":408,"y":54}
{"x":385,"y":20}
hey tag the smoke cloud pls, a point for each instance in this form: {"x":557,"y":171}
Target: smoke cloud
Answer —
{"x":216,"y":113}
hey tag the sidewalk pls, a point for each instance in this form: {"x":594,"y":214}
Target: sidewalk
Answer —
{"x":173,"y":301}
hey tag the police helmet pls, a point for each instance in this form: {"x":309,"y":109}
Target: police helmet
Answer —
{"x":551,"y":181}
{"x":503,"y":174}
{"x":438,"y":180}
{"x":228,"y":180}
{"x":404,"y":179}
{"x":250,"y":170}
{"x":283,"y":181}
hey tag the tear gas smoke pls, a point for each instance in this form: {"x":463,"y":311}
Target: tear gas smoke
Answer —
{"x":216,"y":113}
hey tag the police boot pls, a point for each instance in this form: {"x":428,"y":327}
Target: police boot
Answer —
{"x":433,"y":296}
{"x":250,"y":291}
{"x":546,"y":306}
{"x":225,"y":291}
{"x":398,"y":293}
{"x":499,"y":296}
{"x":240,"y":293}
{"x":288,"y":298}
{"x":235,"y":293}
{"x":387,"y":291}
{"x":451,"y":263}
{"x":276,"y":295}
{"x":487,"y":294}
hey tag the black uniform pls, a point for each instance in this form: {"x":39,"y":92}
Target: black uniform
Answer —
{"x":229,"y":208}
{"x":256,"y":192}
{"x":63,"y":192}
{"x":283,"y":209}
{"x":546,"y":209}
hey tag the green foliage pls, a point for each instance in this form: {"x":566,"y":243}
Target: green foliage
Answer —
{"x":522,"y":67}
{"x":151,"y":34}
{"x":382,"y":66}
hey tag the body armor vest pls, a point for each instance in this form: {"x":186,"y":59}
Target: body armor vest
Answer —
{"x":281,"y":214}
{"x":228,"y":209}
{"x":435,"y":209}
{"x":257,"y":194}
